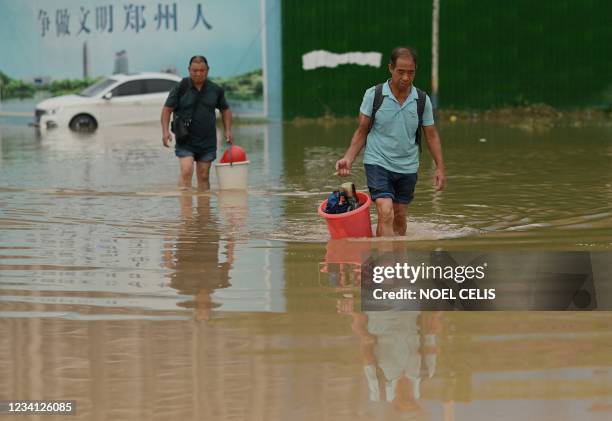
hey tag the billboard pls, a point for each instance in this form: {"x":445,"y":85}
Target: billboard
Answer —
{"x":53,"y":40}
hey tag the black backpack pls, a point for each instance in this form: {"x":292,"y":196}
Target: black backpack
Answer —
{"x":378,"y":99}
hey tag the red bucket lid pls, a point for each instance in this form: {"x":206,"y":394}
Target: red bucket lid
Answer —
{"x":233,"y":153}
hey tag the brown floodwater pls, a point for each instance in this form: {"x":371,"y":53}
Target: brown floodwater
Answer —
{"x":140,"y":302}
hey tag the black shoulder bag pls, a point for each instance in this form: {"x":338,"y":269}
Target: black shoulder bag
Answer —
{"x":180,"y":125}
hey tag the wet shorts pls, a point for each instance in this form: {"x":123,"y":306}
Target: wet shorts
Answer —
{"x":197,"y":156}
{"x":383,"y":183}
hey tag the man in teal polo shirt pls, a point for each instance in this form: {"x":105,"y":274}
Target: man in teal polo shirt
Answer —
{"x":198,"y":101}
{"x":391,"y":156}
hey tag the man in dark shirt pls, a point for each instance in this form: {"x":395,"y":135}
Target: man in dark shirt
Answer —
{"x":198,"y":102}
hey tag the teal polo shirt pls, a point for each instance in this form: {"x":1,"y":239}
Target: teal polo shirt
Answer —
{"x":391,"y":143}
{"x":203,"y":124}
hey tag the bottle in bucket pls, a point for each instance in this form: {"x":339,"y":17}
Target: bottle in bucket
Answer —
{"x":350,"y":193}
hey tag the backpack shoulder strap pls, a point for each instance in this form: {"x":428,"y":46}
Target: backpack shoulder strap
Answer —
{"x":183,"y":85}
{"x":182,"y":88}
{"x":421,"y":98}
{"x":378,"y":99}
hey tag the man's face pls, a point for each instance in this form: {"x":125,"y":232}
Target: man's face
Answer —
{"x":198,"y":72}
{"x":402,"y":74}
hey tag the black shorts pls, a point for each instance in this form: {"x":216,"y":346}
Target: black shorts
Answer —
{"x":208,"y":156}
{"x":383,"y":183}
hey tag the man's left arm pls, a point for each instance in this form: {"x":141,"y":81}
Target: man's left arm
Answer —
{"x":435,"y":148}
{"x":226,"y":116}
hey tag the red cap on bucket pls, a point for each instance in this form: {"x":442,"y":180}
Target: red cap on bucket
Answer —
{"x":233,"y":153}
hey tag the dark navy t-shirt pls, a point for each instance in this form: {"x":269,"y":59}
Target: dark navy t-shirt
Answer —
{"x":203,"y":120}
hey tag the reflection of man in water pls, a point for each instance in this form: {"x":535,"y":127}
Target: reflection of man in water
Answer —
{"x":397,"y":347}
{"x":195,"y":256}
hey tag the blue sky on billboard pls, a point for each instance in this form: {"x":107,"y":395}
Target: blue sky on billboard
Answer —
{"x":45,"y":38}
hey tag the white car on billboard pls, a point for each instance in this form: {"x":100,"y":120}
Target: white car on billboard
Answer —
{"x":119,"y":99}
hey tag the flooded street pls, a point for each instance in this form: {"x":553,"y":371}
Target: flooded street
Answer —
{"x":141,"y":302}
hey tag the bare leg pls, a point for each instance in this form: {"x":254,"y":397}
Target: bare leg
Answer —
{"x":399,"y":218}
{"x":203,"y":174}
{"x":186,"y":164}
{"x":384,"y":207}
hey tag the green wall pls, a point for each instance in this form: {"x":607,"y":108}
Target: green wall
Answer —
{"x":492,"y":53}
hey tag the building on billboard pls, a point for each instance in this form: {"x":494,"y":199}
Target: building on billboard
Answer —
{"x":121,"y":63}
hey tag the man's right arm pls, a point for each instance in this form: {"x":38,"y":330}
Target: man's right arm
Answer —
{"x":343,"y":166}
{"x":171,"y":103}
{"x":165,"y":122}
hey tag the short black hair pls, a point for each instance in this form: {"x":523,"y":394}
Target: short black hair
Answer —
{"x":402,"y":52}
{"x":198,"y":59}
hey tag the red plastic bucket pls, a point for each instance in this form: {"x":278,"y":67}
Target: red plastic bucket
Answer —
{"x":349,"y":224}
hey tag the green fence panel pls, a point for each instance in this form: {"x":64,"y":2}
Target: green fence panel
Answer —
{"x":340,"y":27}
{"x":492,"y":53}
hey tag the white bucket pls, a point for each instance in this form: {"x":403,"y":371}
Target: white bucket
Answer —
{"x":233,"y":176}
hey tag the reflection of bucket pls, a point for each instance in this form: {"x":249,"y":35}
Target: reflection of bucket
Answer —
{"x":233,"y":176}
{"x":343,"y":261}
{"x":347,"y":251}
{"x":233,"y":208}
{"x":349,"y":224}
